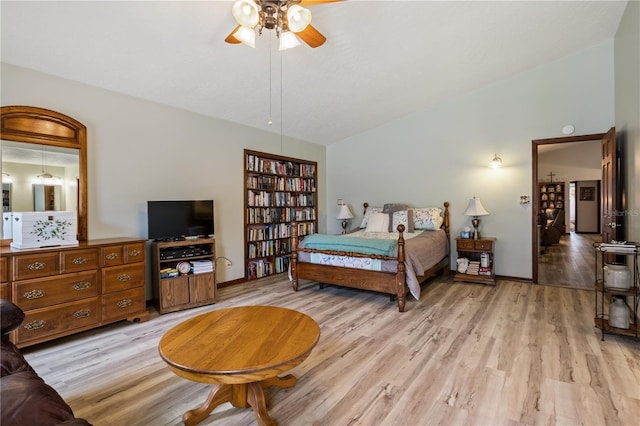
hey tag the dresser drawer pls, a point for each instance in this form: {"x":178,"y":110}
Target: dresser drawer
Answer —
{"x":35,"y":265}
{"x":134,"y":253}
{"x":79,"y":260}
{"x":47,"y":322}
{"x":38,"y":293}
{"x":465,"y":244}
{"x":112,"y":255}
{"x":4,"y":270}
{"x":483,"y":245}
{"x":121,"y":304}
{"x":122,"y":277}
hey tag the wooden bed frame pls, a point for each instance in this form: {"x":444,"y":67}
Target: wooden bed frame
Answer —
{"x":383,"y":282}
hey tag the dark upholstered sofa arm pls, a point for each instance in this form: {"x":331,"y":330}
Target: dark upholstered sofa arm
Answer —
{"x":11,"y":316}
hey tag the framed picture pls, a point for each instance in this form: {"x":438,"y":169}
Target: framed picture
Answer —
{"x":587,"y":193}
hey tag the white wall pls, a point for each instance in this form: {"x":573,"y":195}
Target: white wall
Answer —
{"x":441,"y":154}
{"x":627,"y":106}
{"x":140,"y":150}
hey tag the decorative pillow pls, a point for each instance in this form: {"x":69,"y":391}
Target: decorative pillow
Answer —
{"x":368,"y":213}
{"x":427,"y":218}
{"x":404,"y":217}
{"x":378,"y":222}
{"x":394,"y":207}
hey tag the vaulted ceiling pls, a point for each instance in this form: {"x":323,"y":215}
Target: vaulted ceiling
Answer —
{"x":382,"y":59}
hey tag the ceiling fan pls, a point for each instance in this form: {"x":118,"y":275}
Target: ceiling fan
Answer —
{"x":287,"y":17}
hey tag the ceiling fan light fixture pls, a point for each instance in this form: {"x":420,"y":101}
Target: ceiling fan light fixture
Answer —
{"x":288,"y":40}
{"x":246,"y":35}
{"x":246,"y":13}
{"x":298,"y":18}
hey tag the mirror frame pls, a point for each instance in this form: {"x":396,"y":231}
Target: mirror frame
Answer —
{"x":45,"y":127}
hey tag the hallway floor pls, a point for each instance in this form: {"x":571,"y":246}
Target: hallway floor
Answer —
{"x":571,"y":263}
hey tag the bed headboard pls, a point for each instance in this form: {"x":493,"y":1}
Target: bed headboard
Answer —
{"x":445,"y":217}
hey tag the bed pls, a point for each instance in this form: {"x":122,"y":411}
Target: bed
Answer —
{"x":397,"y":267}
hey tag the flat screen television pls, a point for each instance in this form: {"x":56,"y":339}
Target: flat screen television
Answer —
{"x":175,"y":220}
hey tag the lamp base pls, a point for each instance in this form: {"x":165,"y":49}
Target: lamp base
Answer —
{"x":344,"y":226}
{"x":475,"y":222}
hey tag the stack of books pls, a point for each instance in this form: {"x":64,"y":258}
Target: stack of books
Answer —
{"x":168,"y":273}
{"x":474,"y":268}
{"x":201,"y":266}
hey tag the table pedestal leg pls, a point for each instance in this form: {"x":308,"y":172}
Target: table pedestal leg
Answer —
{"x":241,"y":396}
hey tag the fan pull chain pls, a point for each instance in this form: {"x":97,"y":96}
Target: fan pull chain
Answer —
{"x":270,"y":122}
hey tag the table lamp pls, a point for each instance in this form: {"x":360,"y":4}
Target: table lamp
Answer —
{"x":344,"y":214}
{"x":475,"y":209}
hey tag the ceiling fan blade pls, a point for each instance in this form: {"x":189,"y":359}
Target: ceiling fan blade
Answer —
{"x":231,"y":39}
{"x":311,"y":36}
{"x":314,"y":2}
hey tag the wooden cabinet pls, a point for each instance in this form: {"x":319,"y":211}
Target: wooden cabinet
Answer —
{"x":65,"y":290}
{"x":278,"y":190}
{"x":196,"y":286}
{"x":475,"y":250}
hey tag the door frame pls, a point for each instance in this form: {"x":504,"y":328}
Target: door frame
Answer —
{"x":534,"y":188}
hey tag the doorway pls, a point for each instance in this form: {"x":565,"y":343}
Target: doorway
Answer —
{"x":568,"y":259}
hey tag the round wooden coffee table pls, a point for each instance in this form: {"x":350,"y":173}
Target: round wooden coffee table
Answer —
{"x":240,"y":350}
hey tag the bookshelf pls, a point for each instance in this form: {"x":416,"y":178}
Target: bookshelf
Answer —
{"x":277,"y":191}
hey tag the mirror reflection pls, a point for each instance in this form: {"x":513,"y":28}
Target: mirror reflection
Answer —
{"x":37,"y":178}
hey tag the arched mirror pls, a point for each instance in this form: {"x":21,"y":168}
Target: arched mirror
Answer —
{"x":44,"y":164}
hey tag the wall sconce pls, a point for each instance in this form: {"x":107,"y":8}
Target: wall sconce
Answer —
{"x":496,"y":163}
{"x":6,"y":178}
{"x":345,"y":215}
{"x":524,"y":199}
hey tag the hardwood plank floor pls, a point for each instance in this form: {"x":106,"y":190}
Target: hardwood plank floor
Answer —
{"x":570,"y":263}
{"x":465,"y":353}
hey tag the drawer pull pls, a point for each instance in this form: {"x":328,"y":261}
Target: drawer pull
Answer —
{"x":34,"y":294}
{"x":81,"y":314}
{"x":124,"y":303}
{"x":134,"y":253}
{"x":81,"y":285}
{"x":36,"y":266}
{"x":112,"y":256}
{"x":34,"y":325}
{"x":124,"y":277}
{"x":80,"y":260}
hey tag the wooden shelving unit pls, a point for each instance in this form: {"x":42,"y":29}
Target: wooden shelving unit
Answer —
{"x":473,"y":249}
{"x":604,"y":293}
{"x":278,"y":190}
{"x":187,"y":289}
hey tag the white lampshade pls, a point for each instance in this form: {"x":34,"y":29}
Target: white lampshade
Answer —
{"x":345,"y":212}
{"x":246,"y":35}
{"x":298,"y":18}
{"x":246,"y":13}
{"x":288,"y":40}
{"x":475,"y":208}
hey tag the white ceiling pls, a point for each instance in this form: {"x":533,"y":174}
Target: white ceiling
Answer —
{"x":382,"y":59}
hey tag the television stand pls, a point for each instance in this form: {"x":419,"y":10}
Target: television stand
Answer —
{"x":178,"y":290}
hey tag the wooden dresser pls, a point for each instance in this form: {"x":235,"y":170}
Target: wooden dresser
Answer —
{"x":65,"y":290}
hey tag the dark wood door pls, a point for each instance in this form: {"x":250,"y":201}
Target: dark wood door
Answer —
{"x":611,"y":224}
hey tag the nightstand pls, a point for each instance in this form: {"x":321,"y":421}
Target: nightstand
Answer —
{"x":472,"y":250}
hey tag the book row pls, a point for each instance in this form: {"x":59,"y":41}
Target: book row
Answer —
{"x":279,"y":167}
{"x":280,"y":199}
{"x":257,"y":215}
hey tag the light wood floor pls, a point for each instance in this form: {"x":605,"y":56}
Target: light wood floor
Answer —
{"x":571,"y":263}
{"x":464,"y":354}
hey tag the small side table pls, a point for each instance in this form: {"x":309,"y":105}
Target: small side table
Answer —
{"x":472,"y":250}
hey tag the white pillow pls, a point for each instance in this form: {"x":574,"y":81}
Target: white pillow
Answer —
{"x":427,"y":218}
{"x":378,"y":222}
{"x":368,"y":213}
